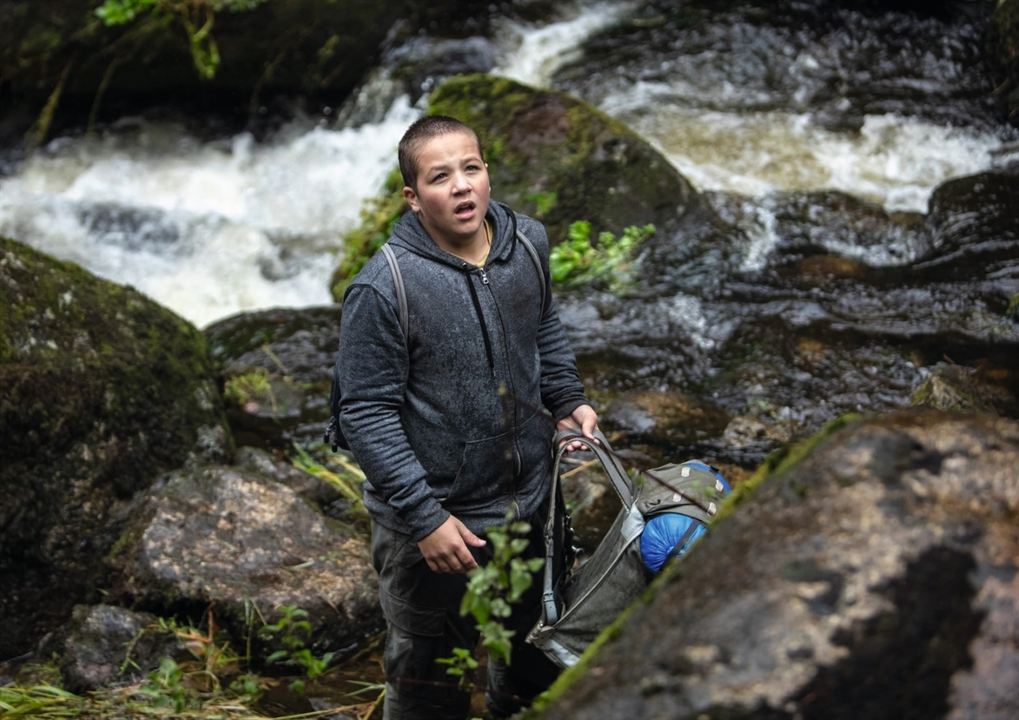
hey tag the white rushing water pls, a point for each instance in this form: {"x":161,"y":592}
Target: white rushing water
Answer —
{"x":211,"y":228}
{"x":893,"y":161}
{"x":532,"y":54}
{"x":205,"y":228}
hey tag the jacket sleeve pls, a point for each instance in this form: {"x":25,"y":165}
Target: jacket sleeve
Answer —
{"x":561,"y":388}
{"x":373,"y":367}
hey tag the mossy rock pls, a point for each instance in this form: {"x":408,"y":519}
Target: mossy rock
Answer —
{"x":103,"y":389}
{"x":276,"y":368}
{"x":551,"y":156}
{"x":559,"y":159}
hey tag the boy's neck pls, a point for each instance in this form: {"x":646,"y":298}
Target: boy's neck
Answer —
{"x":474,"y":249}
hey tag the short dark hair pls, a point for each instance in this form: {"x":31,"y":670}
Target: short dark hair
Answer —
{"x":424,"y":129}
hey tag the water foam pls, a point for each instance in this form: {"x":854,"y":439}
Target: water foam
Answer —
{"x":226,"y":226}
{"x":533,"y":54}
{"x":894,"y":161}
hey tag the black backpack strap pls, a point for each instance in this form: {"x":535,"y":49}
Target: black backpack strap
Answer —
{"x":401,"y":291}
{"x":532,"y":251}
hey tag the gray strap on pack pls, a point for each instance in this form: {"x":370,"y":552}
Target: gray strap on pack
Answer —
{"x":401,"y":291}
{"x":617,"y":476}
{"x":537,"y":264}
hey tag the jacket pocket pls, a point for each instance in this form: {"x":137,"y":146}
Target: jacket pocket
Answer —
{"x":485,"y":474}
{"x":535,"y":443}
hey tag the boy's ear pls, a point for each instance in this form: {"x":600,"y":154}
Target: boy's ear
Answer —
{"x":411,"y":197}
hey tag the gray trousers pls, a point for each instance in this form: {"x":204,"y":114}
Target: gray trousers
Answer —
{"x":422,"y":610}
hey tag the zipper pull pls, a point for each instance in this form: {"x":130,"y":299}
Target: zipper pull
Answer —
{"x":484,"y":276}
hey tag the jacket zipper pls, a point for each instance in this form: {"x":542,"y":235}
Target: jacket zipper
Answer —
{"x":518,"y":464}
{"x":481,"y":316}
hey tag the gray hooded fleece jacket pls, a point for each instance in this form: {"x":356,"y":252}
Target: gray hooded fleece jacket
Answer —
{"x":453,"y":419}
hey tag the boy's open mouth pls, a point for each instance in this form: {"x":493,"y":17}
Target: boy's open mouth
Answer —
{"x":464,"y":208}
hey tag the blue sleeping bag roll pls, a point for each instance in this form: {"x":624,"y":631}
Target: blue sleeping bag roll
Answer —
{"x":673,"y":534}
{"x":663,"y":537}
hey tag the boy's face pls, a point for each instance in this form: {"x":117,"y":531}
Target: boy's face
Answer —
{"x":451,"y":197}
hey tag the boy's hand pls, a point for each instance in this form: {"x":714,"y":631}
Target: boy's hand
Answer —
{"x":445,"y":549}
{"x":583,"y":420}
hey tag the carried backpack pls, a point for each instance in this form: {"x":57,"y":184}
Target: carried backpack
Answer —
{"x":579,"y":602}
{"x":333,"y":435}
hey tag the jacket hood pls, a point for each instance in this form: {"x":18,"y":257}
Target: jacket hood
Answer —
{"x":409,"y":233}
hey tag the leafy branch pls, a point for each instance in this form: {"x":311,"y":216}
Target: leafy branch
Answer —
{"x":609,"y":260}
{"x":492,"y":590}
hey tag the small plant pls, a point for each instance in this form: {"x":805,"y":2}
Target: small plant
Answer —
{"x":293,"y":631}
{"x":578,"y":261}
{"x":491,"y":591}
{"x":249,"y":387}
{"x":165,"y":688}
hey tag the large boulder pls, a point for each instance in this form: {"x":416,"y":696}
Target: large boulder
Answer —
{"x":246,"y":545}
{"x":101,"y":390}
{"x":869,"y":574}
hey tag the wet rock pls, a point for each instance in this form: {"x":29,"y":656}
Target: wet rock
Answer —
{"x":1003,"y":44}
{"x":423,"y":62}
{"x":871,"y":573}
{"x":232,"y":538}
{"x":275,"y":466}
{"x":104,"y":644}
{"x":101,"y":390}
{"x":974,"y":222}
{"x":748,"y":432}
{"x":837,"y":61}
{"x":833,"y":222}
{"x":276,"y":367}
{"x":665,"y":417}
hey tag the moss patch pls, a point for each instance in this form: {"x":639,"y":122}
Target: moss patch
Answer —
{"x":377,"y":219}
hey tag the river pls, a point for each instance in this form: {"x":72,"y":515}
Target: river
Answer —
{"x":213,"y":226}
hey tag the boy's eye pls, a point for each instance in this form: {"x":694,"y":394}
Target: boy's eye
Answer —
{"x":438,"y":176}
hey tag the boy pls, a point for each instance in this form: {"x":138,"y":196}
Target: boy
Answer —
{"x":447,"y":422}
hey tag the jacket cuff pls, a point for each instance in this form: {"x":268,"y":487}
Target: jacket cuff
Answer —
{"x":424,"y":519}
{"x":565,"y":408}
